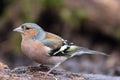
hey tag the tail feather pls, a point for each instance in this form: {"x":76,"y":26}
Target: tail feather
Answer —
{"x":82,"y":50}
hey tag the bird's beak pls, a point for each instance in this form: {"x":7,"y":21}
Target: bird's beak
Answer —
{"x":19,"y":29}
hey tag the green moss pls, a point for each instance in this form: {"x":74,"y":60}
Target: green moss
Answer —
{"x":66,"y":15}
{"x":73,"y":17}
{"x":26,"y":14}
{"x":52,"y":3}
{"x":117,"y":33}
{"x":16,"y":42}
{"x":80,"y":14}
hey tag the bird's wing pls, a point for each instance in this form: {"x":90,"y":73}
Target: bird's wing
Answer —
{"x":61,"y":47}
{"x":52,"y":41}
{"x":58,"y":46}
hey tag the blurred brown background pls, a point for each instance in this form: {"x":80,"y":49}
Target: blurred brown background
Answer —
{"x":89,"y":23}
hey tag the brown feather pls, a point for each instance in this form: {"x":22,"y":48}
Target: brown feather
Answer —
{"x":55,"y":40}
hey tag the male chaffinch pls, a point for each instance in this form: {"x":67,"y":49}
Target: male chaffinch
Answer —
{"x":47,"y":48}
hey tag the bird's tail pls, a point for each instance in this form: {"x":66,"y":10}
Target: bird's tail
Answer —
{"x":82,"y":50}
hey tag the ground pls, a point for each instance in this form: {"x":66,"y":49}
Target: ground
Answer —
{"x":38,"y":73}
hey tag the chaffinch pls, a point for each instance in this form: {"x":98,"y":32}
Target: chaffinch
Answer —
{"x":47,"y":48}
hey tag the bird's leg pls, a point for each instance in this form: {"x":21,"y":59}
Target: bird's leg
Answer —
{"x":53,"y":68}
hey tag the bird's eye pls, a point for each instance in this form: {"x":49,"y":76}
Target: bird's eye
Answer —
{"x":25,"y":27}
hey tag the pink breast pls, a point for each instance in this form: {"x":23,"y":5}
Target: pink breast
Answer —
{"x":35,"y":50}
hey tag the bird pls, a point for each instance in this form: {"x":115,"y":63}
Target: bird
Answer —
{"x":47,"y":48}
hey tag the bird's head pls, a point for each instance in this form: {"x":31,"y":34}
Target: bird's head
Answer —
{"x":31,"y":31}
